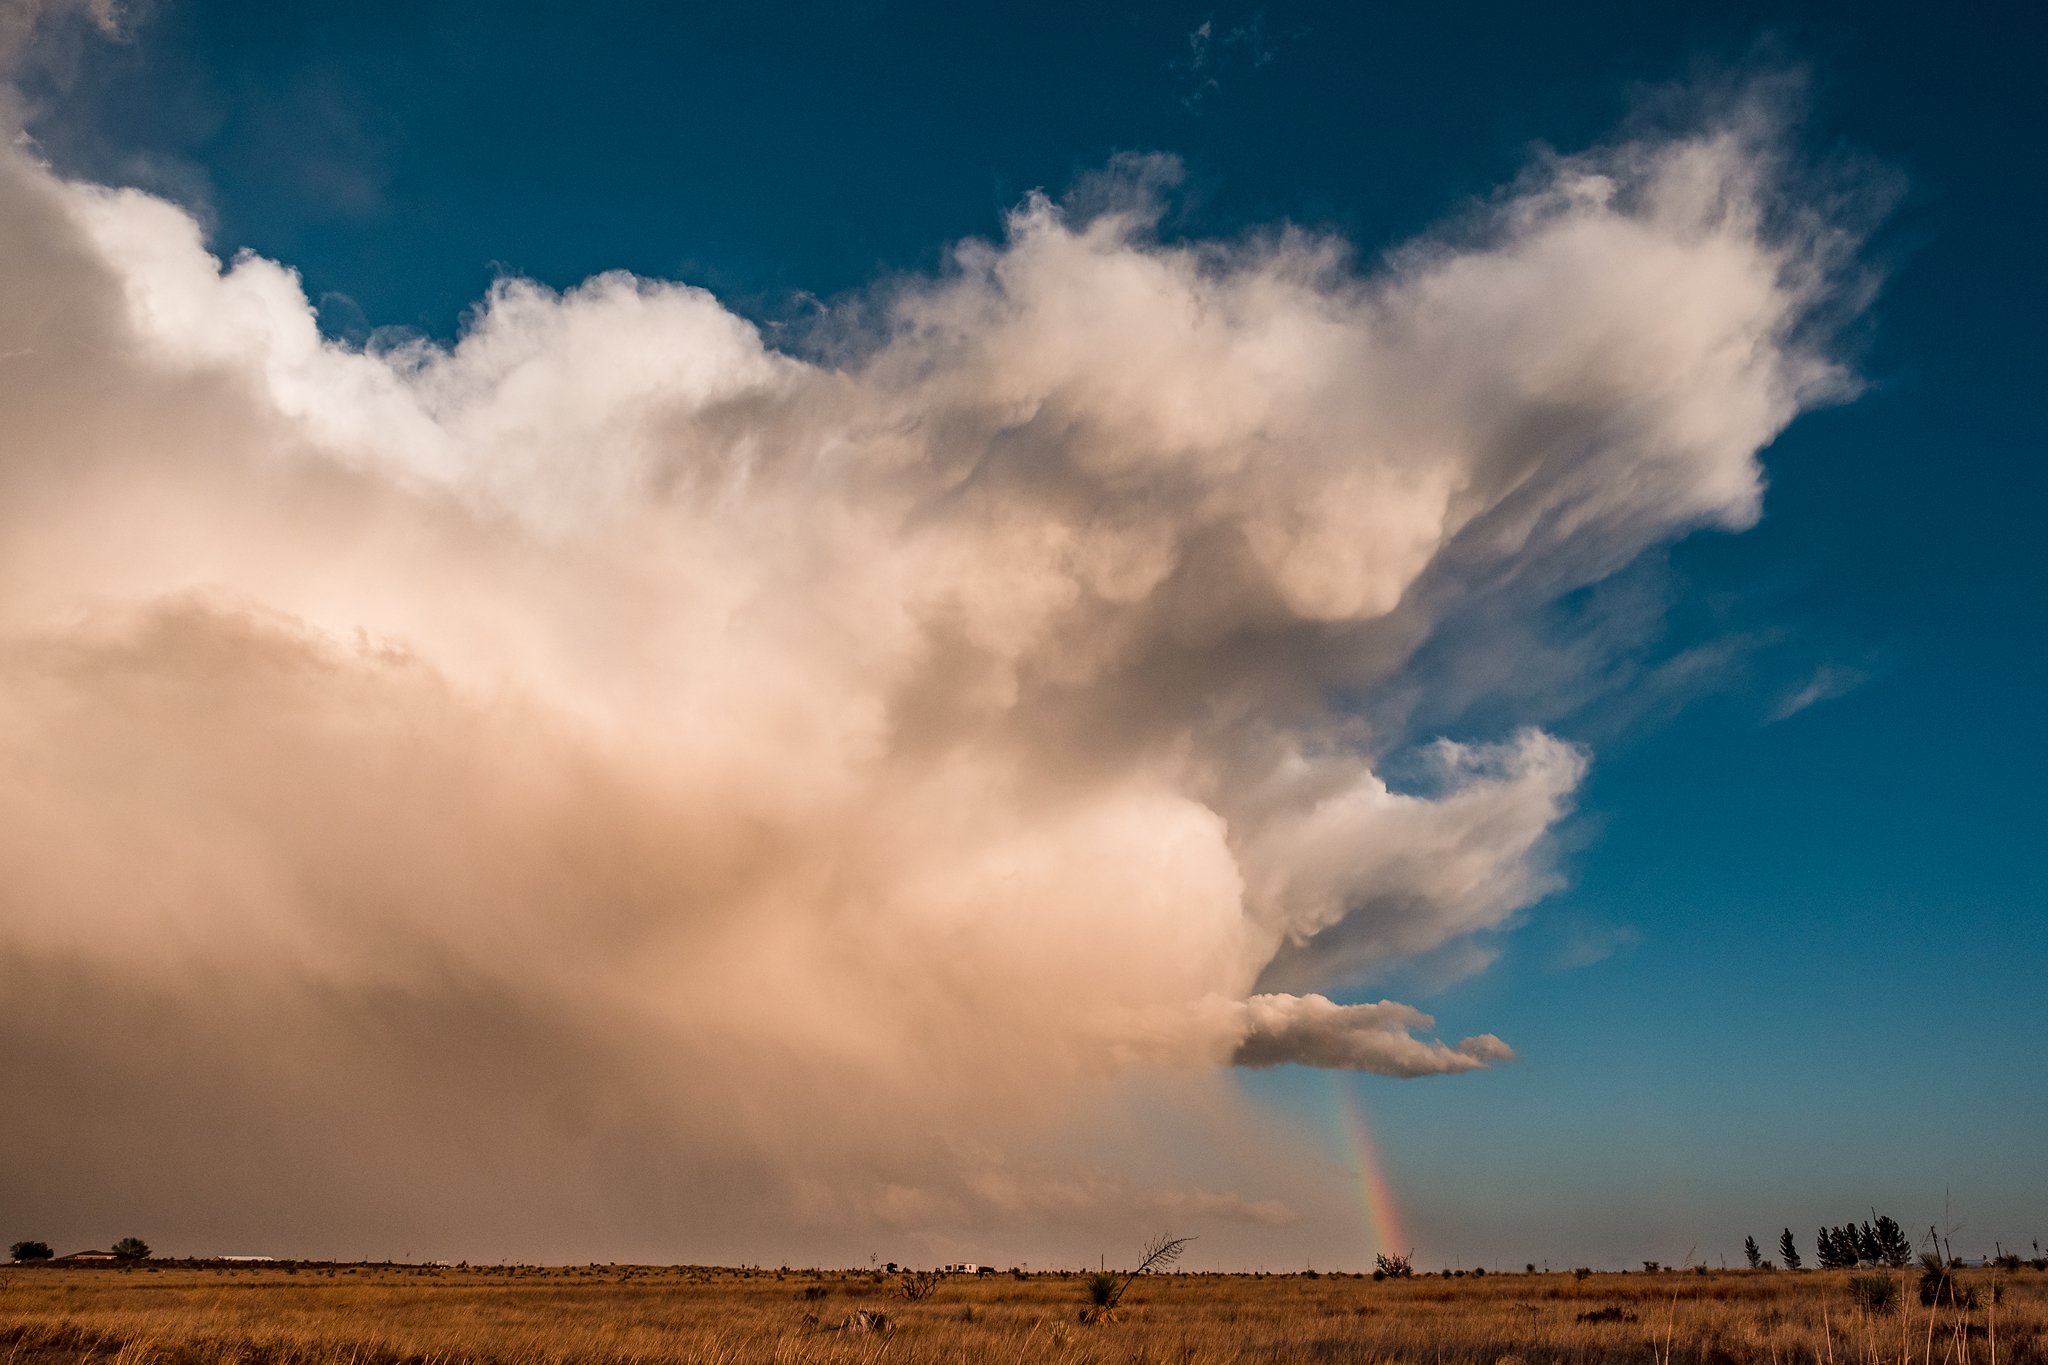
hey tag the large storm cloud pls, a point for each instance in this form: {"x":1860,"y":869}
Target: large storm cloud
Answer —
{"x":610,"y":765}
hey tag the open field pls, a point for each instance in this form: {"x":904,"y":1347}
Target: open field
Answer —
{"x":523,"y":1316}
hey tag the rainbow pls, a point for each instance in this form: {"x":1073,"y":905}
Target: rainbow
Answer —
{"x":1382,"y":1218}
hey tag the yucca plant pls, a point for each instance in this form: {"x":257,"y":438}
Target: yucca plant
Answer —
{"x":1938,"y":1284}
{"x":1874,"y":1293}
{"x":1106,"y":1291}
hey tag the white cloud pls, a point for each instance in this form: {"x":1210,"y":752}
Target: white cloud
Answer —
{"x":610,"y":744}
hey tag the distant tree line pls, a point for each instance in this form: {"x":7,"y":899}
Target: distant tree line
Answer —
{"x":1880,"y":1241}
{"x":127,"y":1249}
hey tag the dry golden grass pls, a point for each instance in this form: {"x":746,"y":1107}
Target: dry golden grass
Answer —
{"x":401,"y":1316}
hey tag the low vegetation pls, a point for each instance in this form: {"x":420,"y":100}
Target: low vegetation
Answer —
{"x":1106,"y":1291}
{"x":153,"y":1313}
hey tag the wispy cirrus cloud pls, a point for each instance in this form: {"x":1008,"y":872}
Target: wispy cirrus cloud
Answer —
{"x":1220,"y":50}
{"x":1828,"y":682}
{"x":1585,"y":943}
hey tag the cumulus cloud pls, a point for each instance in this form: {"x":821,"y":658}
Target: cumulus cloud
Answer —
{"x":1313,"y":1030}
{"x":614,"y":761}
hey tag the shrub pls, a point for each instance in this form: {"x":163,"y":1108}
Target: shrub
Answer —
{"x":1388,"y":1266}
{"x":1938,"y":1285}
{"x":31,"y":1251}
{"x":919,"y":1285}
{"x":1611,"y":1313}
{"x":1874,"y":1293}
{"x":132,"y":1249}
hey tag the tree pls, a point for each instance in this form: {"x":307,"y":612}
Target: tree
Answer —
{"x":1867,"y":1247}
{"x":1787,"y":1252}
{"x":1840,"y":1248}
{"x":132,"y":1249}
{"x":1754,"y":1252}
{"x":1893,"y":1247}
{"x":31,"y":1251}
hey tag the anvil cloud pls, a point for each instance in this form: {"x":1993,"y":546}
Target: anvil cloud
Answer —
{"x":615,"y":754}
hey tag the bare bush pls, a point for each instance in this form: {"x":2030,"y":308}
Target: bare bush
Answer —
{"x":919,"y":1285}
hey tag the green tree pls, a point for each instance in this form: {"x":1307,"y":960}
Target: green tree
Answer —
{"x":1893,"y":1246}
{"x":132,"y":1249}
{"x":1835,"y":1248}
{"x":1754,"y":1252}
{"x":31,"y":1251}
{"x":1787,"y":1251}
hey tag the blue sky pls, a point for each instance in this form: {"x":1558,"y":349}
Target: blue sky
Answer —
{"x":1795,"y":968}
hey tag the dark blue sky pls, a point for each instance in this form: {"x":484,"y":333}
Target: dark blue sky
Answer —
{"x":1829,"y":933}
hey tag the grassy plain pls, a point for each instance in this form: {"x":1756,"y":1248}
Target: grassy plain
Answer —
{"x":613,"y":1315}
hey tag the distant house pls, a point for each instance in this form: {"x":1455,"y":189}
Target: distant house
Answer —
{"x":961,"y":1268}
{"x":85,"y":1258}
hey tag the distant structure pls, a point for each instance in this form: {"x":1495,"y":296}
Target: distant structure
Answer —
{"x":85,"y":1258}
{"x":245,"y":1258}
{"x":962,"y":1268}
